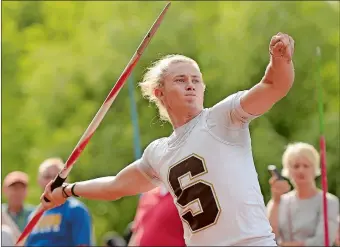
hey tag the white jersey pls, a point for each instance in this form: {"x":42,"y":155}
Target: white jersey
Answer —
{"x":207,"y":165}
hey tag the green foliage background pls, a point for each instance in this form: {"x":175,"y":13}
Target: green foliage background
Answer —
{"x":60,"y":60}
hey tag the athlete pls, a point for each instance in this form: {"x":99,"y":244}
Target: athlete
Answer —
{"x":206,"y":163}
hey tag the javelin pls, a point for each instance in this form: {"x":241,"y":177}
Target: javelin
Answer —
{"x":84,"y":140}
{"x":322,"y":151}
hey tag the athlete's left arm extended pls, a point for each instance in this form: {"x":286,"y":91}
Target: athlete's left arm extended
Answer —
{"x":278,"y":78}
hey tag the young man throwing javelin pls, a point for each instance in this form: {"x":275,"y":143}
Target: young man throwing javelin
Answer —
{"x":207,"y":162}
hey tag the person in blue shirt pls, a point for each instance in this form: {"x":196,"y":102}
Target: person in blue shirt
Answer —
{"x":69,"y":224}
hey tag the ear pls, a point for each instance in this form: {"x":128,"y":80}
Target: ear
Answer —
{"x":158,"y":92}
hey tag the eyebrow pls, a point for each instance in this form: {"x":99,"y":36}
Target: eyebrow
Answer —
{"x":181,"y":76}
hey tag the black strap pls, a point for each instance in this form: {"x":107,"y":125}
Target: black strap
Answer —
{"x":72,"y":190}
{"x":65,"y":195}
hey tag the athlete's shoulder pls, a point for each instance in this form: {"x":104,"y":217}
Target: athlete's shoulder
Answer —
{"x":156,"y":145}
{"x":230,"y":101}
{"x":229,"y":113}
{"x":149,"y":162}
{"x":222,"y":110}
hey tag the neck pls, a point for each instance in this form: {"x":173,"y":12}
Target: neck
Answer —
{"x":14,"y":209}
{"x":305,"y":192}
{"x":179,"y":120}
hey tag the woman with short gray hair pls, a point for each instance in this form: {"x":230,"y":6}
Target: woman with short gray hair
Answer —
{"x":297,"y":216}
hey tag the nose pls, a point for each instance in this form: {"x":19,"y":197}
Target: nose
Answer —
{"x":190,"y":86}
{"x":301,"y":170}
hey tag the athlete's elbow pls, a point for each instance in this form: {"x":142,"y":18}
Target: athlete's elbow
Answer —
{"x":280,"y":84}
{"x":278,"y":89}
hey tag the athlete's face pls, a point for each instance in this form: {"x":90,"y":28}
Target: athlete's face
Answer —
{"x":183,"y":89}
{"x":302,"y":171}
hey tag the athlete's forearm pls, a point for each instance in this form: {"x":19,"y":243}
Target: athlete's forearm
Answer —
{"x":103,"y":188}
{"x":128,"y":182}
{"x":280,"y":75}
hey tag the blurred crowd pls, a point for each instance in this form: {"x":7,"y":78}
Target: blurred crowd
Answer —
{"x":295,"y":210}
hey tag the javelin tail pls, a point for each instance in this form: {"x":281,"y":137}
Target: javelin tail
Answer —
{"x":84,"y":140}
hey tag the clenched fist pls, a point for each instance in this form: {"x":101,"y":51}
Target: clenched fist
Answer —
{"x":278,"y":188}
{"x":56,"y":198}
{"x":282,"y":46}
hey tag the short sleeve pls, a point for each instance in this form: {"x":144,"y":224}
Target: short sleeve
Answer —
{"x":229,"y":112}
{"x":147,"y":164}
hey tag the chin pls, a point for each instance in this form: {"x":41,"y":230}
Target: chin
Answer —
{"x":193,"y":108}
{"x":190,"y":101}
{"x":302,"y":182}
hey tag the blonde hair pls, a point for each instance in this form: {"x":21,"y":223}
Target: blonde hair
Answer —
{"x":51,"y":162}
{"x":295,"y":150}
{"x":154,"y":78}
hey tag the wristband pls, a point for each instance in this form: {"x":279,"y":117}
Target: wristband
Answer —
{"x":65,"y":195}
{"x":72,"y":190}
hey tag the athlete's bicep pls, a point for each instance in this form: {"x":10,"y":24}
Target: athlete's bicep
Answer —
{"x":132,"y":180}
{"x":140,"y":176}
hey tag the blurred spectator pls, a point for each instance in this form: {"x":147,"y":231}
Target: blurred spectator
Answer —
{"x":113,"y":239}
{"x":7,"y":237}
{"x":9,"y":224}
{"x":297,"y":216}
{"x":15,"y":187}
{"x":66,"y":225}
{"x":157,"y":222}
